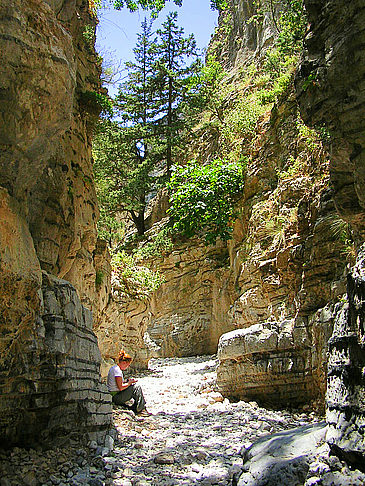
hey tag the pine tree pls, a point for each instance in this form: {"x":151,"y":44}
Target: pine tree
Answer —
{"x":172,"y":77}
{"x":123,"y":149}
{"x":133,"y":152}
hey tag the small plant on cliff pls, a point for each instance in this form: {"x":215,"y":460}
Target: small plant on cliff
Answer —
{"x":99,"y":278}
{"x":93,"y":103}
{"x":281,"y":59}
{"x":130,"y":278}
{"x":203,"y":198}
{"x":89,"y":36}
{"x":94,"y":6}
{"x":159,"y":245}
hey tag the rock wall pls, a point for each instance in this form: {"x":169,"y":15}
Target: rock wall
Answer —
{"x":54,"y":389}
{"x":237,"y":42}
{"x":48,"y":219}
{"x":330,"y":91}
{"x":184,"y":317}
{"x":289,"y":265}
{"x":46,"y":152}
{"x":189,"y":311}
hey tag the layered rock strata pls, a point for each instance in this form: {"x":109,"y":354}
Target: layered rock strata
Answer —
{"x":184,"y":317}
{"x":48,"y":208}
{"x":330,"y":90}
{"x":55,"y":387}
{"x":288,"y":265}
{"x":189,"y":311}
{"x":346,"y":380}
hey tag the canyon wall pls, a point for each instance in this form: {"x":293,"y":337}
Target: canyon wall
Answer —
{"x":330,"y":86}
{"x":49,"y":365}
{"x":289,"y":273}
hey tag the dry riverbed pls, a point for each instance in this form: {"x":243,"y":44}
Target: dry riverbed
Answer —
{"x":193,"y":436}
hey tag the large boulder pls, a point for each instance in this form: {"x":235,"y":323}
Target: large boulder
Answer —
{"x":283,"y":458}
{"x":54,"y":388}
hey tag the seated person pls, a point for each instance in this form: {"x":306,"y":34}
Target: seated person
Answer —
{"x":123,"y":391}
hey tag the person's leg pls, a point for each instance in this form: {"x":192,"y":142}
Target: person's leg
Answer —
{"x":123,"y":396}
{"x":139,"y":401}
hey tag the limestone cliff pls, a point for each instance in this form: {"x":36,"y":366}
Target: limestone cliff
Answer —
{"x":330,"y":91}
{"x":49,"y":356}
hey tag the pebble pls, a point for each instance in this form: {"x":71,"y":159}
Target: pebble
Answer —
{"x":164,"y":458}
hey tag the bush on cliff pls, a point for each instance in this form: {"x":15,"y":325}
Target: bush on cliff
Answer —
{"x":203,"y":197}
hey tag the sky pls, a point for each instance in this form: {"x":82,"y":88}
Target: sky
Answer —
{"x":117,"y":30}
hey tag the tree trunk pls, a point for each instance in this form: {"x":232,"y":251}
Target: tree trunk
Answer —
{"x":139,"y":222}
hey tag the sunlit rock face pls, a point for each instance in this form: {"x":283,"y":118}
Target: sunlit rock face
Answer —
{"x":184,"y":317}
{"x":286,"y":288}
{"x":45,"y":161}
{"x":189,"y":311}
{"x":239,"y":41}
{"x":286,"y":280}
{"x":330,"y":86}
{"x":48,"y":214}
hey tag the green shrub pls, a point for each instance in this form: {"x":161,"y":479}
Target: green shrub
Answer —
{"x":159,"y":245}
{"x":94,"y":102}
{"x":99,"y":278}
{"x":132,"y":279}
{"x":202,"y":198}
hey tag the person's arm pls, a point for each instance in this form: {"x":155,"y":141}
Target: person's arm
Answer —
{"x":122,"y":386}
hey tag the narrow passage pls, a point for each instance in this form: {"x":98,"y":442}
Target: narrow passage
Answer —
{"x":193,"y":436}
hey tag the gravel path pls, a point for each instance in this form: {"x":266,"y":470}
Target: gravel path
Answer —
{"x":193,"y":436}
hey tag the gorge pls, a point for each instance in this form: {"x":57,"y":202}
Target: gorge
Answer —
{"x":281,"y":303}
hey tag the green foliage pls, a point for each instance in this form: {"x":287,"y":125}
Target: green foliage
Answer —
{"x":124,"y":150}
{"x":132,"y":279}
{"x":241,"y":120}
{"x":99,"y":278}
{"x":226,"y":25}
{"x":109,"y":227}
{"x":205,"y":90}
{"x":123,"y":175}
{"x":160,"y":244}
{"x":89,"y":36}
{"x":309,"y":136}
{"x":289,"y":19}
{"x":280,"y":61}
{"x":94,"y":6}
{"x":292,"y":23}
{"x":219,"y":4}
{"x":202,"y":198}
{"x":93,"y":103}
{"x":134,"y":154}
{"x":133,"y":5}
{"x":309,"y":82}
{"x":157,"y":5}
{"x":171,"y":83}
{"x":340,"y":231}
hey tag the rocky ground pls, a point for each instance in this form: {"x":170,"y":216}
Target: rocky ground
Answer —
{"x":193,"y":436}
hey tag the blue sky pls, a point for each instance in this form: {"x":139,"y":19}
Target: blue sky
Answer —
{"x":117,"y":30}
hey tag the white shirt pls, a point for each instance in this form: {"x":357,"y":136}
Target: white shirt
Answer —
{"x":111,"y":382}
